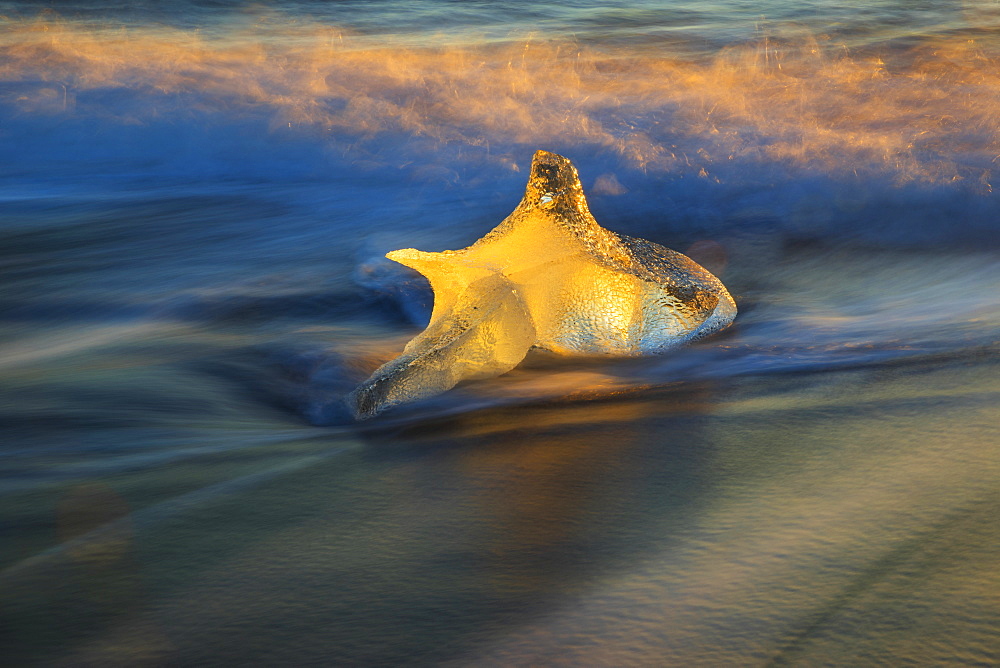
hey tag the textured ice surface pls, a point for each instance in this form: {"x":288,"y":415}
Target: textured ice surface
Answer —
{"x":547,"y":276}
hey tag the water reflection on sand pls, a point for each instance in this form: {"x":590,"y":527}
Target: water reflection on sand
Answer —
{"x":840,"y":516}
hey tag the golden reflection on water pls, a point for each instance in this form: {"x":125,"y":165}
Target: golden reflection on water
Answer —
{"x":545,"y":394}
{"x":925,"y":113}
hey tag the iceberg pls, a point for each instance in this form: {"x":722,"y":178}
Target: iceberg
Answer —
{"x":548,"y":276}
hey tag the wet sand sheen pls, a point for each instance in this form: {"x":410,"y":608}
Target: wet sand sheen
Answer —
{"x":839,"y":516}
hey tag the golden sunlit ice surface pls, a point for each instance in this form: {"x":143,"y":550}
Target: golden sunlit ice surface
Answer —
{"x":547,"y":276}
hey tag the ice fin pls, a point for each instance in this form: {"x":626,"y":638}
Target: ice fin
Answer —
{"x":486,"y":332}
{"x":448,"y":275}
{"x":553,"y":183}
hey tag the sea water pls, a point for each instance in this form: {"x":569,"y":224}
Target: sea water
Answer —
{"x":195,"y":201}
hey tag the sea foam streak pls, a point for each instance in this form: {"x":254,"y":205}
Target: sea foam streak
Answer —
{"x":926,"y":114}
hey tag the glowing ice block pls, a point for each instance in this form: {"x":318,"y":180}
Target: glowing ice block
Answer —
{"x":547,"y":276}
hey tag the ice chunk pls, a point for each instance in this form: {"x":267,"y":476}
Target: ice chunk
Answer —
{"x":547,"y":276}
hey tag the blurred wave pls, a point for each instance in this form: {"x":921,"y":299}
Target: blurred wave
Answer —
{"x":917,"y":111}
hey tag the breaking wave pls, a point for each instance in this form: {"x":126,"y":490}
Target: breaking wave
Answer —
{"x":922,"y":110}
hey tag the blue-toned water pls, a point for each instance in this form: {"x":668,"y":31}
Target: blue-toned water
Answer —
{"x":195,"y":198}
